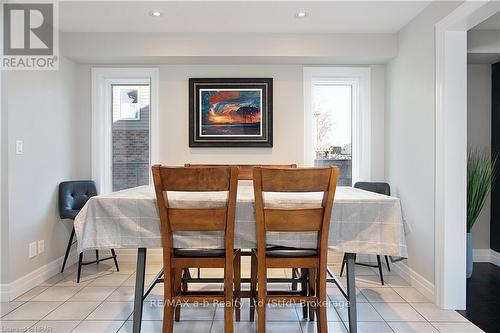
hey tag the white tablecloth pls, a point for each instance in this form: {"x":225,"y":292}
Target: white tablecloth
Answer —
{"x":362,"y":222}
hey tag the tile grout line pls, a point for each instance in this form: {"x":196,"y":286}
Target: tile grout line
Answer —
{"x":383,"y":319}
{"x":64,"y":302}
{"x":212,"y":321}
{"x":99,"y":306}
{"x":80,"y":321}
{"x":17,"y":307}
{"x":57,"y":307}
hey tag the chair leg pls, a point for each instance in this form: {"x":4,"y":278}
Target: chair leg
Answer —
{"x":68,"y":248}
{"x":169,"y":306}
{"x":344,"y":260}
{"x":237,"y":285}
{"x":321,"y":306}
{"x":97,"y":257}
{"x":168,"y":318}
{"x":295,"y":274}
{"x":261,"y":294}
{"x":80,"y":260}
{"x":387,"y":262}
{"x":379,"y":263}
{"x":177,"y":289}
{"x":312,"y":291}
{"x":168,"y":310}
{"x":304,"y":273}
{"x":253,"y":285}
{"x":114,"y":259}
{"x":228,"y":295}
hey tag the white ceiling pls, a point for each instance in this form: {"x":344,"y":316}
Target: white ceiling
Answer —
{"x":238,"y":16}
{"x":492,"y":23}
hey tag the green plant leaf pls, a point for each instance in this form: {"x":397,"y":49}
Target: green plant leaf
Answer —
{"x":481,"y":172}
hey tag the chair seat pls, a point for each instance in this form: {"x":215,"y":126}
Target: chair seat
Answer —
{"x":199,"y":253}
{"x":290,"y":252}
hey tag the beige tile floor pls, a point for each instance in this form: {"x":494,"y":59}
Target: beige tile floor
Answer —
{"x":102,"y":302}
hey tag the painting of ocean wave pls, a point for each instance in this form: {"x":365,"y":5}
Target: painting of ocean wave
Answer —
{"x":230,"y":112}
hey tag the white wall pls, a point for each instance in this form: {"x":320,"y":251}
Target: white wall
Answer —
{"x":288,"y":116}
{"x":410,"y":134}
{"x":237,"y":48}
{"x":479,"y":136}
{"x":43,"y":111}
{"x":287,"y":113}
{"x":4,"y":226}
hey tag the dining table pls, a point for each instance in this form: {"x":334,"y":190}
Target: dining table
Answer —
{"x":362,"y":222}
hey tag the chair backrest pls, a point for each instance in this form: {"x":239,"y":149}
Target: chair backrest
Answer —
{"x":196,"y":179}
{"x":73,"y":195}
{"x":245,"y":170}
{"x":289,"y":218}
{"x":377,"y":187}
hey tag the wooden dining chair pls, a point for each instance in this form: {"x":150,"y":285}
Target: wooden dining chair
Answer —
{"x":203,"y":220}
{"x":245,"y":172}
{"x":292,"y":218}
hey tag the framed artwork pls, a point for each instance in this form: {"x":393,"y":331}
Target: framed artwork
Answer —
{"x":129,"y":103}
{"x":229,"y":112}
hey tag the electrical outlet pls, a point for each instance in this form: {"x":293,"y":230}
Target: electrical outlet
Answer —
{"x":41,"y":246}
{"x":19,"y":147}
{"x":33,"y":249}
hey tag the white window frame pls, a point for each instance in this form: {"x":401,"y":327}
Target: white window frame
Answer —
{"x":102,"y":80}
{"x":360,"y":80}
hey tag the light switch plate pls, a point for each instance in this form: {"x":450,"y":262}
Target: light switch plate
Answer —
{"x":19,"y":147}
{"x":33,"y":249}
{"x":41,"y":246}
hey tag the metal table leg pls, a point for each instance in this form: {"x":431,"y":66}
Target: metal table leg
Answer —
{"x":351,"y":293}
{"x":139,"y":289}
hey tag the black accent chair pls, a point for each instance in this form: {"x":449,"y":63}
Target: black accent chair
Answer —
{"x":381,"y":188}
{"x":73,"y":195}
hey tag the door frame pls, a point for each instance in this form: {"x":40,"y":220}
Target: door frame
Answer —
{"x":451,"y":150}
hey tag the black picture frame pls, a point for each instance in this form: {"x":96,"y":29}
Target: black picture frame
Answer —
{"x":265,"y":139}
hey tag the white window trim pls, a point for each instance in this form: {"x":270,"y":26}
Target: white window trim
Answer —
{"x":102,"y":78}
{"x":360,"y":79}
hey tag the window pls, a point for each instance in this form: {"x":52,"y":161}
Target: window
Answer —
{"x":130,"y":135}
{"x":123,"y":127}
{"x":337,"y":120}
{"x":332,"y":111}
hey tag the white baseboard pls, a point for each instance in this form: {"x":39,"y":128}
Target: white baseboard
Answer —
{"x":486,"y":255}
{"x":10,"y":291}
{"x":417,"y":281}
{"x":495,"y":258}
{"x":4,"y":293}
{"x":481,"y":255}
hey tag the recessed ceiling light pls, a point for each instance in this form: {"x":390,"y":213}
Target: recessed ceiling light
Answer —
{"x":300,"y":14}
{"x":155,"y":14}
